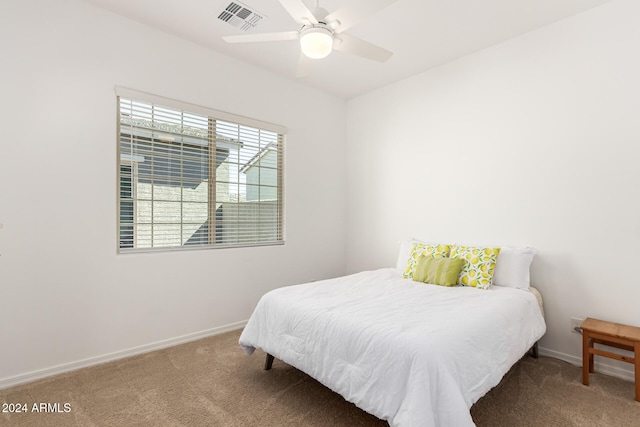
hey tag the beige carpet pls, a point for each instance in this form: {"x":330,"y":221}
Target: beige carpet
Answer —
{"x":211,"y":382}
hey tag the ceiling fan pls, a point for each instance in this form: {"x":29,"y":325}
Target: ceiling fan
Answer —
{"x":322,"y":32}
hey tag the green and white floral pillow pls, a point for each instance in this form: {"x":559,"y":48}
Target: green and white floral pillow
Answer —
{"x":427,"y":249}
{"x":478,"y":266}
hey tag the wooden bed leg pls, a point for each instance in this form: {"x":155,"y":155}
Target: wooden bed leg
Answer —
{"x":534,"y":350}
{"x":268,"y":362}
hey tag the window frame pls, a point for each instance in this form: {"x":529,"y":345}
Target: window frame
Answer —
{"x":212,"y":115}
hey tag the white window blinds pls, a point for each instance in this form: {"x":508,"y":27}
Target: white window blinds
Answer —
{"x":194,"y":177}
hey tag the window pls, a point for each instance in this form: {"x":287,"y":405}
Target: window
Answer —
{"x":194,"y":177}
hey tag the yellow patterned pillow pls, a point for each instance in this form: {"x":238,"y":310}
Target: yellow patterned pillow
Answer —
{"x":419,"y":249}
{"x":479,"y":264}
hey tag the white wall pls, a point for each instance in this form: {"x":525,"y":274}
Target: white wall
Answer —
{"x":535,"y":141}
{"x":66,"y":296}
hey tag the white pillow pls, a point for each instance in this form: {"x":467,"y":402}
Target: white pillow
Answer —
{"x":403,"y":254}
{"x":512,"y":267}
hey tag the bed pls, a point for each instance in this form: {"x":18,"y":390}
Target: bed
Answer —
{"x":411,"y":353}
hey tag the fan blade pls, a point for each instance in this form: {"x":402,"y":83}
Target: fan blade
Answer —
{"x":304,"y":66}
{"x":299,"y":12}
{"x":264,"y":37}
{"x":359,"y":47}
{"x":354,"y":12}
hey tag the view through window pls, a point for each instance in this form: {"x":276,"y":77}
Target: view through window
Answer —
{"x":194,"y":179}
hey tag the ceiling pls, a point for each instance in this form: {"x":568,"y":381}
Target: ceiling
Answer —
{"x":421,"y":33}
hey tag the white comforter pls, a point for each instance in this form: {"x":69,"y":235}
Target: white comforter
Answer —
{"x":409,"y":353}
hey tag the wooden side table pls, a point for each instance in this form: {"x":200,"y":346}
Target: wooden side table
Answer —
{"x":616,"y":335}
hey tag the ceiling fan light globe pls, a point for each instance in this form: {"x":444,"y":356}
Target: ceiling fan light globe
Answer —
{"x":316,"y":42}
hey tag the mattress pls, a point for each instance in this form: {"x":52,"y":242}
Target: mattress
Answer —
{"x":409,"y":353}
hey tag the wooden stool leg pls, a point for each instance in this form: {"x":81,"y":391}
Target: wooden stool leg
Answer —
{"x":586,"y":358}
{"x":636,"y":356}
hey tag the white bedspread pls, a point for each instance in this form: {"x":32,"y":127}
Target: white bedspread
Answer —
{"x":409,"y":353}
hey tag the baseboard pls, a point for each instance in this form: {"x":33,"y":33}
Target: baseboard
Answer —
{"x":603,"y":368}
{"x":134,"y":351}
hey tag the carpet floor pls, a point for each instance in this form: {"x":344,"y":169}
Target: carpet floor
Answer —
{"x":211,"y":382}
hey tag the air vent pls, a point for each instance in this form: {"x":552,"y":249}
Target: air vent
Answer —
{"x":240,"y":16}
